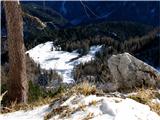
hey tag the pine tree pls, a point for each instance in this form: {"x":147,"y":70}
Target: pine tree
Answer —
{"x":17,"y":83}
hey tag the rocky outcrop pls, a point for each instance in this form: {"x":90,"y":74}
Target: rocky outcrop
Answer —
{"x":130,"y":72}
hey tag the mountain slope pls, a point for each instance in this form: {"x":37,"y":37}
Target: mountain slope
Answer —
{"x":83,"y":12}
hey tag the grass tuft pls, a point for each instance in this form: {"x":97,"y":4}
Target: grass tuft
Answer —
{"x":86,"y":89}
{"x":145,"y":96}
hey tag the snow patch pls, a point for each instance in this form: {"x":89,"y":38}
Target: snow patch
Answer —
{"x":156,"y":101}
{"x":49,"y":58}
{"x":36,"y":114}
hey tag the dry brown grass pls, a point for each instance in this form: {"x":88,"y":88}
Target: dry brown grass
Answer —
{"x":89,"y":116}
{"x":94,"y":102}
{"x":15,"y":107}
{"x":85,"y":88}
{"x":56,"y":111}
{"x":155,"y":107}
{"x":146,"y":96}
{"x":41,"y":101}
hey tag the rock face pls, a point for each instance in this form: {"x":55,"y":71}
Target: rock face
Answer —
{"x":130,"y":72}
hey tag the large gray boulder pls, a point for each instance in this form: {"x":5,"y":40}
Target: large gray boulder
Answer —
{"x":130,"y":72}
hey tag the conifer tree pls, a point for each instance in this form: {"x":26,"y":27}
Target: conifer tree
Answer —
{"x":17,"y":83}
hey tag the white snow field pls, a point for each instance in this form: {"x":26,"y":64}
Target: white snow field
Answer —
{"x":106,"y":108}
{"x":59,"y":60}
{"x":36,"y":114}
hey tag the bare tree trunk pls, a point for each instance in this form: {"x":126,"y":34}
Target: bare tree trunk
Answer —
{"x":17,"y":83}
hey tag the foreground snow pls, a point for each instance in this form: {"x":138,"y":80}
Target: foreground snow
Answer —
{"x":36,"y":114}
{"x":106,"y":108}
{"x":61,"y":61}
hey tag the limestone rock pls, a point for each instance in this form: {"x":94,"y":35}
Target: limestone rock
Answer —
{"x":130,"y":72}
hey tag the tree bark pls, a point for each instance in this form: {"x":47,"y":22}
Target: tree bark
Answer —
{"x":17,"y":83}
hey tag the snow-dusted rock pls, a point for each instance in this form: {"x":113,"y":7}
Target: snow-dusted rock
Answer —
{"x":130,"y":72}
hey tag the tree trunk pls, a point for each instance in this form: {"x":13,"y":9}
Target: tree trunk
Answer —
{"x":17,"y":83}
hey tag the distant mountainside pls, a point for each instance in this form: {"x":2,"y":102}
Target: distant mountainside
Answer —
{"x":47,"y":15}
{"x":64,"y":14}
{"x":83,"y":12}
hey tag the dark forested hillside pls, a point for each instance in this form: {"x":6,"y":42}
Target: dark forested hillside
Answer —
{"x":144,"y":47}
{"x":83,"y":12}
{"x":119,"y":31}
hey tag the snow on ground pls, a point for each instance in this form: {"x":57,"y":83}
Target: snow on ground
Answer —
{"x":156,"y":100}
{"x":109,"y":108}
{"x":36,"y":114}
{"x":59,"y":60}
{"x":106,"y":108}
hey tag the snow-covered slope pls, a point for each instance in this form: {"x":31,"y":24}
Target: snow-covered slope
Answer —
{"x":36,"y":114}
{"x":61,"y":61}
{"x":95,"y":108}
{"x":108,"y":108}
